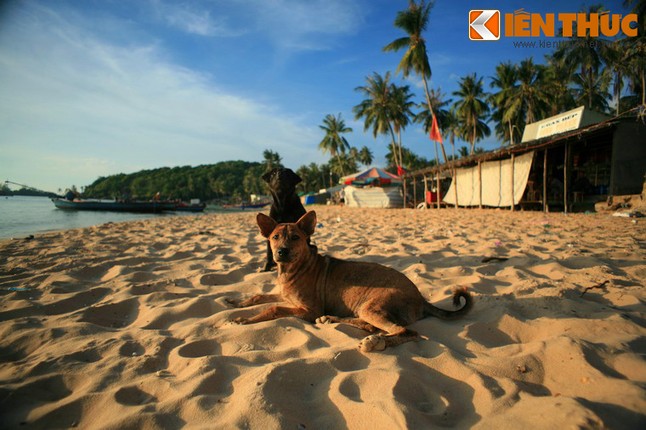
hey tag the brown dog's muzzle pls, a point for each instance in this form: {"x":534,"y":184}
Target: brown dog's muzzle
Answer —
{"x":282,"y":255}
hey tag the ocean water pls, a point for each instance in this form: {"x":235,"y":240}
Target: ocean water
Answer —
{"x":21,"y":216}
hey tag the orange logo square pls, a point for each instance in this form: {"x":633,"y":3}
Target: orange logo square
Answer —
{"x":484,"y":24}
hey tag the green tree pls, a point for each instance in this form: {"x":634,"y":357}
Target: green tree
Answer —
{"x":587,"y":54}
{"x":471,"y":110}
{"x":558,"y":78}
{"x":334,"y":142}
{"x":365,"y":156}
{"x":414,"y":21}
{"x":400,"y":113}
{"x":507,"y":112}
{"x":425,"y":115}
{"x":271,"y":159}
{"x":375,"y":108}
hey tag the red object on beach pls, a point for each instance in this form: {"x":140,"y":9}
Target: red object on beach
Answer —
{"x":435,"y":131}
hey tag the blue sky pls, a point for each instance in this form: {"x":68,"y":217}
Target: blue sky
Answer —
{"x":91,"y":88}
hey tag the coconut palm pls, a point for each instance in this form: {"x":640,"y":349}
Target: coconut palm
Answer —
{"x":472,"y":110}
{"x":425,"y":116}
{"x":558,"y":76}
{"x":507,"y":112}
{"x":271,"y":159}
{"x":587,"y":55}
{"x":532,"y":91}
{"x":365,"y":156}
{"x":414,"y":21}
{"x":592,"y":89}
{"x":400,"y":112}
{"x":333,"y":141}
{"x":376,"y":108}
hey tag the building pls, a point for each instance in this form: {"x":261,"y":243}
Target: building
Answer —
{"x":566,"y":162}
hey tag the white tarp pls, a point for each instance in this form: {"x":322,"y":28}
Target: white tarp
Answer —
{"x":496,"y":182}
{"x":374,"y":197}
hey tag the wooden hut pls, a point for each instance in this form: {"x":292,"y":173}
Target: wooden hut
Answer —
{"x":567,"y":162}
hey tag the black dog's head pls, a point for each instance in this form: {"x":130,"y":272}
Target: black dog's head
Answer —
{"x":282,"y":181}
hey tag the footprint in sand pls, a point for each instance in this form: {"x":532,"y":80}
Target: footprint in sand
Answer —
{"x":133,"y":396}
{"x":112,"y":315}
{"x":200,"y":348}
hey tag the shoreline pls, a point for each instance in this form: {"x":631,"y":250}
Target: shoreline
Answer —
{"x":126,"y":324}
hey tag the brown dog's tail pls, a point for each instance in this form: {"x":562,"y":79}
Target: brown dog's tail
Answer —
{"x":430,"y":310}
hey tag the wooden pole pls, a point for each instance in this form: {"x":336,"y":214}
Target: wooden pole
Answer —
{"x":566,"y":161}
{"x":439,"y":190}
{"x":425,"y":189}
{"x":414,"y":191}
{"x":455,"y":183}
{"x":404,"y":183}
{"x":513,"y":159}
{"x":545,"y":208}
{"x":480,"y":183}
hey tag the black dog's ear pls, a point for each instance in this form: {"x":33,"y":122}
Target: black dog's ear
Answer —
{"x":293,"y":177}
{"x":267,"y":176}
{"x":307,"y":223}
{"x":266,"y":224}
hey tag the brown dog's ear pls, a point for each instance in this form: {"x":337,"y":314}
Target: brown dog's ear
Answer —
{"x":307,"y":223}
{"x":266,"y":224}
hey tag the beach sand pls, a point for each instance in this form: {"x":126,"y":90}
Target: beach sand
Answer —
{"x":126,"y":326}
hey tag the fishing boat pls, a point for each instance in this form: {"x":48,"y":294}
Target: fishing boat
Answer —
{"x":190,"y":207}
{"x":244,"y":206}
{"x":115,"y":205}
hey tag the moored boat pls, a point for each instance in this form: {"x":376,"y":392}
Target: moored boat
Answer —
{"x":190,"y":207}
{"x":114,"y":205}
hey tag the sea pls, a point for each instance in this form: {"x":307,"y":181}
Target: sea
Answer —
{"x":22,"y":216}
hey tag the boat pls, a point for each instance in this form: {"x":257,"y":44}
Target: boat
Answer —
{"x":190,"y":207}
{"x":115,"y":205}
{"x":243,"y":206}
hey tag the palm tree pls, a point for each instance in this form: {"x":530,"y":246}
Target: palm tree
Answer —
{"x":333,"y":141}
{"x":531,"y":91}
{"x":400,"y":112}
{"x":365,"y":156}
{"x":592,"y":89}
{"x":472,"y":110}
{"x":425,"y":115}
{"x":376,"y":108}
{"x":414,"y":21}
{"x":587,"y":54}
{"x":271,"y":159}
{"x":507,"y":113}
{"x":558,"y":77}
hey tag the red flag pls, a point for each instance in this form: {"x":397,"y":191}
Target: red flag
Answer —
{"x":400,"y":171}
{"x":435,"y":131}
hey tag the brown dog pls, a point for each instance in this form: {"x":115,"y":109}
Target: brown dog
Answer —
{"x":322,"y":289}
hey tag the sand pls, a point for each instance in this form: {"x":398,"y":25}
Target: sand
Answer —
{"x":126,"y":326}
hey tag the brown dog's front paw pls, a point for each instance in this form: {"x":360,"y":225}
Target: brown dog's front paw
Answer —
{"x":327,"y":319}
{"x":233,"y":302}
{"x":373,"y":342}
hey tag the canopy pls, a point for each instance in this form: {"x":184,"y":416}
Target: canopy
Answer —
{"x":371,"y":176}
{"x":491,"y":185}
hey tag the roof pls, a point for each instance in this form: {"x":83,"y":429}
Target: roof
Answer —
{"x":376,"y":174}
{"x":545,"y":142}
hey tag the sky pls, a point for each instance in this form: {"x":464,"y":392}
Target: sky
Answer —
{"x":92,"y":88}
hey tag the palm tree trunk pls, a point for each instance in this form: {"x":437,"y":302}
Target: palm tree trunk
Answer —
{"x":394,"y":145}
{"x":430,"y":109}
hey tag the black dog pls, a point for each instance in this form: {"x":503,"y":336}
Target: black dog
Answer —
{"x":287,"y":206}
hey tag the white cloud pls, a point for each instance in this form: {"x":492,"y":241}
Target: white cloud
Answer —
{"x":193,"y":18}
{"x":105,"y":108}
{"x":295,"y":25}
